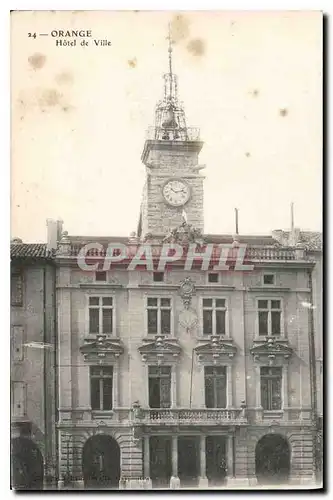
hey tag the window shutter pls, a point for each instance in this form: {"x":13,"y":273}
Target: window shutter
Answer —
{"x":17,"y":343}
{"x":264,"y":394}
{"x":93,"y":320}
{"x":276,"y":394}
{"x":276,"y":322}
{"x":107,"y":320}
{"x":154,"y":393}
{"x":152,"y":320}
{"x":18,"y":400}
{"x":165,"y":321}
{"x":207,"y":322}
{"x":107,"y":393}
{"x":165,"y":385}
{"x":220,"y":322}
{"x":263,"y":323}
{"x":209,"y":391}
{"x":16,"y":289}
{"x":95,"y":394}
{"x":221,"y":392}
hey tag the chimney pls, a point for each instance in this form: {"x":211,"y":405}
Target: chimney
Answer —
{"x":16,"y":241}
{"x":54,"y":230}
{"x":59,"y":229}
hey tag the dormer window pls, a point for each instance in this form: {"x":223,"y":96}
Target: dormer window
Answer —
{"x":269,"y":279}
{"x":213,"y":278}
{"x":158,"y":277}
{"x":100,"y":276}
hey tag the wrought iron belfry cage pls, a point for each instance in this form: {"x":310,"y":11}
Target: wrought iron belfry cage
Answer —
{"x":170,"y":122}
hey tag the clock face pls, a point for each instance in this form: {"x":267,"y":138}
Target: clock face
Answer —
{"x":176,"y":192}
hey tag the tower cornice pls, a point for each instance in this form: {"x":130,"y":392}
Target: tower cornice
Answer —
{"x":160,"y":145}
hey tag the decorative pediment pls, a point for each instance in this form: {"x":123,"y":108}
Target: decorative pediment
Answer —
{"x":216,"y":350}
{"x":270,"y":350}
{"x":161,"y":350}
{"x":102,"y":349}
{"x":184,"y":235}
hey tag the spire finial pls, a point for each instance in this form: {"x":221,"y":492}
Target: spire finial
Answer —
{"x":292,"y":216}
{"x":170,"y":122}
{"x":169,"y":37}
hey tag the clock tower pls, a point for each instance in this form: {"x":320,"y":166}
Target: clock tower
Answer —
{"x":173,"y":191}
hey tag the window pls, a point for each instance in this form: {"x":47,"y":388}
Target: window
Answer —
{"x":17,"y":289}
{"x":101,"y":387}
{"x":18,"y":399}
{"x":270,"y":383}
{"x":215,"y":387}
{"x":100,"y":276}
{"x":17,"y":343}
{"x":159,"y":315}
{"x":269,"y":316}
{"x":100,"y":315}
{"x":158,"y":277}
{"x":213,"y":278}
{"x":269,"y":279}
{"x":159,"y":386}
{"x":214,"y":316}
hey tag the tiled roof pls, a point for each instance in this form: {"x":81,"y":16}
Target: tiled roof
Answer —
{"x":30,"y":250}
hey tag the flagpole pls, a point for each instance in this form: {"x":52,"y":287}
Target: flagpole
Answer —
{"x":236,"y":219}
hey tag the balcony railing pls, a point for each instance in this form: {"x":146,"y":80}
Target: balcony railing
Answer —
{"x":252,"y":254}
{"x":178,"y":416}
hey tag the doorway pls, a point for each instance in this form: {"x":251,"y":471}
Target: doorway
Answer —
{"x":160,"y":461}
{"x":216,"y":463}
{"x":272,"y":460}
{"x":27,"y":465}
{"x":101,"y":463}
{"x":188,"y":461}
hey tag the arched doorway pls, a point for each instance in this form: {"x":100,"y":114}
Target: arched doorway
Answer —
{"x":272,"y":459}
{"x":101,"y":462}
{"x":27,"y":465}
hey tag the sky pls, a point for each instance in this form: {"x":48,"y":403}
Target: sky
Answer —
{"x":251,"y":81}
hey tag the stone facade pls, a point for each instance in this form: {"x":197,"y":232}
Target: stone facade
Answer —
{"x":243,"y":423}
{"x":206,"y":422}
{"x":33,"y":375}
{"x":146,"y":434}
{"x":178,"y":162}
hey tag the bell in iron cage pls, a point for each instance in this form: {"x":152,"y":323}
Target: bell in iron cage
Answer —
{"x":170,"y":123}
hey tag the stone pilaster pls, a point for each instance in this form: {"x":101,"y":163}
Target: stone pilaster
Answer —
{"x":146,"y":459}
{"x":64,"y":346}
{"x":203,"y":481}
